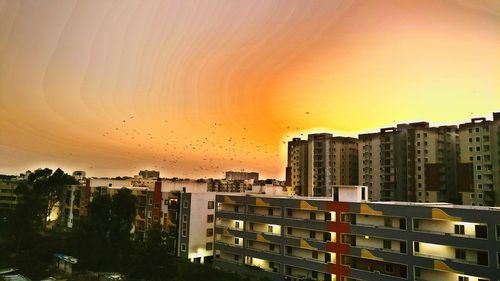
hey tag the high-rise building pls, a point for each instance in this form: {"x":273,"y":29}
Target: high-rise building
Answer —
{"x":296,"y":170}
{"x":479,"y":167}
{"x":319,"y":163}
{"x":411,"y":162}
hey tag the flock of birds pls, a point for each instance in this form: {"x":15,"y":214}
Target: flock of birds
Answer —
{"x":217,"y":150}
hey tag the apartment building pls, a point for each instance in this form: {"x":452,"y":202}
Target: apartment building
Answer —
{"x":479,"y":181}
{"x":192,"y":220}
{"x":242,"y":175}
{"x":297,"y":168}
{"x":345,"y":237}
{"x":411,"y":162}
{"x":321,"y":162}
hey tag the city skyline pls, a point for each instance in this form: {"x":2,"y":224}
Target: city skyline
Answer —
{"x":193,"y":89}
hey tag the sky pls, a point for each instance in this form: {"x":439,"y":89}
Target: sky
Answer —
{"x":196,"y":88}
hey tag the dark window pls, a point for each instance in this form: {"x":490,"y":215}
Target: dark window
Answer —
{"x":402,"y":247}
{"x":481,"y":231}
{"x":289,"y":230}
{"x":270,"y":211}
{"x":209,"y":246}
{"x":463,"y":278}
{"x":482,"y":258}
{"x":363,"y":196}
{"x":312,"y":215}
{"x":459,"y":229}
{"x":289,"y":212}
{"x":271,"y":247}
{"x":237,"y":241}
{"x":236,"y":209}
{"x":314,"y":254}
{"x":210,"y":204}
{"x":289,"y":250}
{"x":388,"y":222}
{"x":210,"y":218}
{"x":416,"y":246}
{"x":402,"y":223}
{"x":312,"y":234}
{"x":387,"y":244}
{"x":210,"y":232}
{"x":236,"y":257}
{"x":460,"y":254}
{"x":389,"y":267}
{"x":270,"y":228}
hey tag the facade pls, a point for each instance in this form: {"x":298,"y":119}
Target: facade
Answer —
{"x":479,"y":182}
{"x":411,"y":162}
{"x":297,"y":168}
{"x":230,"y":175}
{"x":304,"y":238}
{"x":8,"y":197}
{"x":320,"y":163}
{"x":146,"y":174}
{"x":195,"y":226}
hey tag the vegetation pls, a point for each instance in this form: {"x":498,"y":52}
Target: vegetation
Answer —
{"x":101,"y":241}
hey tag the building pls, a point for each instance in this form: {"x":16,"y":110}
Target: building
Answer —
{"x":146,"y":174}
{"x":8,"y":197}
{"x":297,"y":168}
{"x":320,"y":162}
{"x":230,"y":175}
{"x":306,"y":238}
{"x":411,"y":162}
{"x":192,"y":216}
{"x":479,"y":167}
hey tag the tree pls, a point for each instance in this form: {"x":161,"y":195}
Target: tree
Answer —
{"x":154,"y":260}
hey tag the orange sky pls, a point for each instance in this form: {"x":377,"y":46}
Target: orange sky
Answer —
{"x":195,"y":88}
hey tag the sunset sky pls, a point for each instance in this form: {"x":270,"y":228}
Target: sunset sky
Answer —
{"x":195,"y":88}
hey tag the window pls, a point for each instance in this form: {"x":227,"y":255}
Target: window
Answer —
{"x":314,"y":254}
{"x":183,"y":247}
{"x":470,"y":148}
{"x":209,"y":246}
{"x":289,"y":212}
{"x":387,"y":244}
{"x":270,"y":211}
{"x":271,"y":247}
{"x":387,"y":222}
{"x":498,"y":231}
{"x":289,"y":250}
{"x":402,"y":247}
{"x":478,"y":139}
{"x":237,"y":224}
{"x":460,"y":254}
{"x":236,"y":209}
{"x":463,"y":278}
{"x":185,"y":203}
{"x":312,"y":234}
{"x":478,"y":158}
{"x":150,"y":201}
{"x":236,"y":257}
{"x":477,"y":130}
{"x":211,"y":204}
{"x":210,"y":232}
{"x":478,"y":148}
{"x":478,"y":167}
{"x":416,"y":247}
{"x":389,"y":267}
{"x":210,"y":218}
{"x":470,"y":139}
{"x":459,"y":229}
{"x":289,"y":230}
{"x":270,"y":228}
{"x":312,"y":215}
{"x":236,"y":241}
{"x":184,"y":218}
